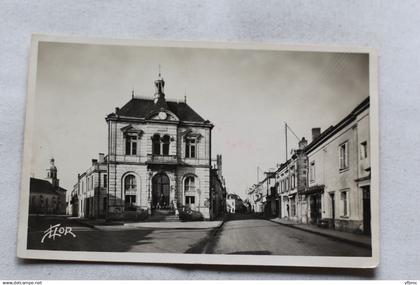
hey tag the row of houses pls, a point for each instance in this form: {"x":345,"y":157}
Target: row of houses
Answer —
{"x":159,"y":159}
{"x":326,"y":181}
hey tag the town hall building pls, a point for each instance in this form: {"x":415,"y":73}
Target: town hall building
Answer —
{"x":159,"y":158}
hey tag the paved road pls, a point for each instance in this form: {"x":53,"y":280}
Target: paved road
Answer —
{"x":117,"y":238}
{"x":258,"y":236}
{"x":246,"y":235}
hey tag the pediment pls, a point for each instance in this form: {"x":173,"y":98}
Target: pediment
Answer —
{"x":189,"y":133}
{"x":130,"y":129}
{"x":162,"y":115}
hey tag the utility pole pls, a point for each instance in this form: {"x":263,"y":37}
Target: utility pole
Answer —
{"x":287,"y":127}
{"x":258,"y":174}
{"x":285,"y":135}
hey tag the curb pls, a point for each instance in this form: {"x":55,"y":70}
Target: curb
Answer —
{"x":87,"y":224}
{"x":360,"y":244}
{"x":213,"y":233}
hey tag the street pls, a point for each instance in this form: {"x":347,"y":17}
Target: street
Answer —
{"x":243,"y":235}
{"x":238,"y":235}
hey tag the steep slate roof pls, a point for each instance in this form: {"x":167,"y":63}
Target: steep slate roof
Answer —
{"x":140,"y":108}
{"x":42,"y":187}
{"x":344,"y":122}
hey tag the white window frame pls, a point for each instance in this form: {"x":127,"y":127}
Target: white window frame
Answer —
{"x":105,"y":181}
{"x":343,"y":157}
{"x":191,"y":188}
{"x":345,"y":204}
{"x":363,"y":150}
{"x":133,"y":140}
{"x":312,"y":176}
{"x":189,"y":145}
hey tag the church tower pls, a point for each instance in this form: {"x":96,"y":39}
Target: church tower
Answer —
{"x":52,"y":174}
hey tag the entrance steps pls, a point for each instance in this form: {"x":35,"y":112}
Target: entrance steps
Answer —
{"x":163,"y":215}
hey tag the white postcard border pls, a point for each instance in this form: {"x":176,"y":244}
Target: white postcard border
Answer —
{"x":185,"y":258}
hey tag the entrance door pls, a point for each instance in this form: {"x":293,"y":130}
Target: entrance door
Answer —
{"x":315,"y":205}
{"x":332,"y":210}
{"x":75,"y":206}
{"x":366,"y":211}
{"x":160,"y":191}
{"x":87,"y":208}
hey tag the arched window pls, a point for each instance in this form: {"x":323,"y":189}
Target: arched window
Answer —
{"x":129,"y":187}
{"x":156,"y":144}
{"x":160,"y":145}
{"x":165,"y":145}
{"x":189,"y":184}
{"x":130,"y":183}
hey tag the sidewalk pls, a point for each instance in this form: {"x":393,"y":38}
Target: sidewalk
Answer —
{"x":176,"y":225}
{"x":360,"y":240}
{"x":102,"y":224}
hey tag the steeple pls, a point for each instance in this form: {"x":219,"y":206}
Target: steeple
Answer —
{"x":52,"y":174}
{"x":159,"y":97}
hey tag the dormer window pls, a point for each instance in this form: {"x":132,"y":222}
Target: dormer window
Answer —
{"x":190,"y":147}
{"x":131,"y":145}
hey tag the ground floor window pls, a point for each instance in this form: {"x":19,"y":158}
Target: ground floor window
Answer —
{"x":292,"y":207}
{"x":105,"y":205}
{"x":189,"y":200}
{"x":344,"y":203}
{"x":130,"y":201}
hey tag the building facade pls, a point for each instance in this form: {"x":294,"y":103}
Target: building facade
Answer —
{"x":326,"y":182}
{"x":89,"y":198}
{"x":339,"y":174}
{"x":218,"y":190}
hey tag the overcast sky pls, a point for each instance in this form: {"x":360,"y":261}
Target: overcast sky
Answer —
{"x":246,"y":94}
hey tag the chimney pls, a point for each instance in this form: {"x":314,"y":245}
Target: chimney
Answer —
{"x":303,"y":143}
{"x":94,"y":161}
{"x":101,"y":158}
{"x":117,"y":110}
{"x":316,"y":132}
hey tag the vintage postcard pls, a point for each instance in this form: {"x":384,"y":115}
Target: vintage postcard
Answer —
{"x":200,"y":153}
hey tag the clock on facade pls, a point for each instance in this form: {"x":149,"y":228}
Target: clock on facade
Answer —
{"x":162,"y":115}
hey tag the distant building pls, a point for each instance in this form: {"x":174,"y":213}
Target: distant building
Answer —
{"x":234,"y":204}
{"x":89,"y":196}
{"x":218,"y":190}
{"x":292,"y":180}
{"x":255,"y":198}
{"x":46,"y":196}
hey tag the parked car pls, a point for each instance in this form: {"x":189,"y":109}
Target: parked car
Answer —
{"x":135,"y":214}
{"x":186,"y":215}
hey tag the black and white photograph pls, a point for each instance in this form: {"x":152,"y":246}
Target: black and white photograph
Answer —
{"x":172,"y":152}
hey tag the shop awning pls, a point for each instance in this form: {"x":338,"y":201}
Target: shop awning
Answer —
{"x":314,"y":189}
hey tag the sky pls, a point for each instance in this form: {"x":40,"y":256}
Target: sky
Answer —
{"x":246,"y":94}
